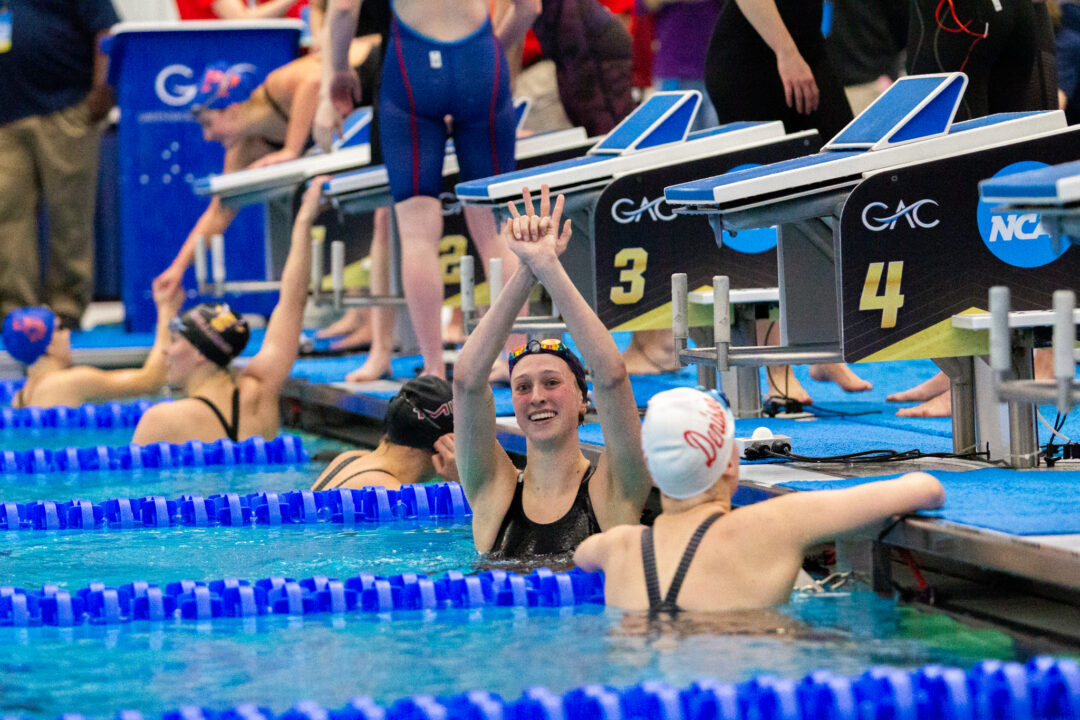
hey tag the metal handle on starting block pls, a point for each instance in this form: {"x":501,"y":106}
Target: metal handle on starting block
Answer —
{"x":217,"y":263}
{"x":680,"y":324}
{"x":467,"y":268}
{"x":1064,"y":340}
{"x":316,"y":267}
{"x":1000,"y":335}
{"x":722,"y":320}
{"x":200,"y":263}
{"x":337,"y":272}
{"x":495,"y":278}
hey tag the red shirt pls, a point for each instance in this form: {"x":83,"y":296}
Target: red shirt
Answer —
{"x":200,"y":9}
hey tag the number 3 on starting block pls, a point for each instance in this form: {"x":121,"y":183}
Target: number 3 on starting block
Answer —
{"x":890,"y":301}
{"x":638,"y":260}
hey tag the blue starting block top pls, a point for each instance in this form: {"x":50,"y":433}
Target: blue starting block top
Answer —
{"x":1055,"y":185}
{"x":655,"y":134}
{"x":886,"y":134}
{"x":351,"y":150}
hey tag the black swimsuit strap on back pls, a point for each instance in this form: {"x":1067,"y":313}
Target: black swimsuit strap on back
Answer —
{"x":278,"y":110}
{"x":323,"y":484}
{"x":231,"y":431}
{"x":652,"y":579}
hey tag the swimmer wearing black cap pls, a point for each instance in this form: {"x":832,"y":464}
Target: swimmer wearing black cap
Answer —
{"x":32,"y":336}
{"x":559,"y":499}
{"x":417,"y":446}
{"x":205,"y":340}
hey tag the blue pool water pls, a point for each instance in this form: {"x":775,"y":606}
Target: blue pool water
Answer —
{"x":170,"y":482}
{"x":52,"y":438}
{"x":276,"y":661}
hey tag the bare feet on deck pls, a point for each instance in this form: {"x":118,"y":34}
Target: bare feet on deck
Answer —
{"x":840,"y":374}
{"x":784,"y":385}
{"x":937,"y":406}
{"x":376,"y":367}
{"x":352,"y":320}
{"x":923,"y":391}
{"x":500,"y":372}
{"x":651,"y":352}
{"x":360,"y":336}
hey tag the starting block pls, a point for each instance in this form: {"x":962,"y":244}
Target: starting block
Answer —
{"x":883,"y":237}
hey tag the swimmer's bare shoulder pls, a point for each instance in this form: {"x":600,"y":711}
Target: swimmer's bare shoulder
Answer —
{"x":164,"y":422}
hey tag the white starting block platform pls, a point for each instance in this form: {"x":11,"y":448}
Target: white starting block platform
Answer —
{"x":852,"y":211}
{"x":245,"y":187}
{"x":656,"y":134}
{"x":745,"y":296}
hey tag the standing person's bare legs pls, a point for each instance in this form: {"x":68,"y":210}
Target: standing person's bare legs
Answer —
{"x":420,"y":225}
{"x":482,"y":230}
{"x":382,"y":317}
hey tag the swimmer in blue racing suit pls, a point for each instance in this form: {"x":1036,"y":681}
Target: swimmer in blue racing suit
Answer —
{"x":444,"y":74}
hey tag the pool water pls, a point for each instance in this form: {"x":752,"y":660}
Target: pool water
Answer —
{"x":171,"y":482}
{"x":276,"y":661}
{"x":73,"y":558}
{"x":53,"y":438}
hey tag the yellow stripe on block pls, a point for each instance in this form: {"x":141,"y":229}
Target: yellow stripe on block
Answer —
{"x":938,"y":340}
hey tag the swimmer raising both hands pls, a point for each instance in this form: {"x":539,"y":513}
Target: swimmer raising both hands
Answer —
{"x":559,"y":499}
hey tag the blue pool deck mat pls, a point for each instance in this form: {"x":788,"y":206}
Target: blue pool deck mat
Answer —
{"x":796,"y":176}
{"x":374,"y":180}
{"x":1018,"y":502}
{"x":657,"y":133}
{"x":917,"y":107}
{"x":351,"y":150}
{"x":1050,"y":186}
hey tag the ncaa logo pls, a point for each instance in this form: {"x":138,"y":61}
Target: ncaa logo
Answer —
{"x":749,"y":242}
{"x":175,"y":85}
{"x":876,"y":216}
{"x":1017,"y":239}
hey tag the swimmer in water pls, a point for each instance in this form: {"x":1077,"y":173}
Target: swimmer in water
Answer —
{"x":418,"y":444}
{"x":31,"y":336}
{"x":745,"y":558}
{"x":205,"y":340}
{"x":559,"y":498}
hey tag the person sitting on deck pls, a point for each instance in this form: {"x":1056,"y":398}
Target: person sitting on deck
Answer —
{"x":258,"y":125}
{"x":417,"y":446}
{"x":746,"y":558}
{"x":207,"y":338}
{"x":32,"y":337}
{"x":559,"y":498}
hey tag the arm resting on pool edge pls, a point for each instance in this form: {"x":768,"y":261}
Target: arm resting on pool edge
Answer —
{"x":812,"y":516}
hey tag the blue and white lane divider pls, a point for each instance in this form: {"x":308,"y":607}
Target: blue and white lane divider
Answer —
{"x":284,"y":449}
{"x":97,"y":604}
{"x":436,"y":501}
{"x":1046,"y":688}
{"x":88,"y":415}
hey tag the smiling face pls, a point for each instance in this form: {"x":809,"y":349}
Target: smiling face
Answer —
{"x":547,"y":400}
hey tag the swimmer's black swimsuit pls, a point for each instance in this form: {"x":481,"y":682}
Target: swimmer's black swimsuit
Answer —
{"x":341,"y":466}
{"x":652,"y":580}
{"x":231,"y":431}
{"x":521,"y":537}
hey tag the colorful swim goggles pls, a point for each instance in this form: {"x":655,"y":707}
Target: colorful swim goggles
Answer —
{"x":552,"y":347}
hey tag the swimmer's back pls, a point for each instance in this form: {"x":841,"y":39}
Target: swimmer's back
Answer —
{"x":730,"y":570}
{"x":193,"y":419}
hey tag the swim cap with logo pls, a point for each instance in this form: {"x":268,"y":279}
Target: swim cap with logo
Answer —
{"x":222,"y":85}
{"x":215,"y":331}
{"x":28,"y":332}
{"x":421,"y":413}
{"x":688,"y":437}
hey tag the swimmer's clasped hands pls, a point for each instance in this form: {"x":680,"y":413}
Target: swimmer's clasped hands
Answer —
{"x":444,"y":459}
{"x":532,"y":236}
